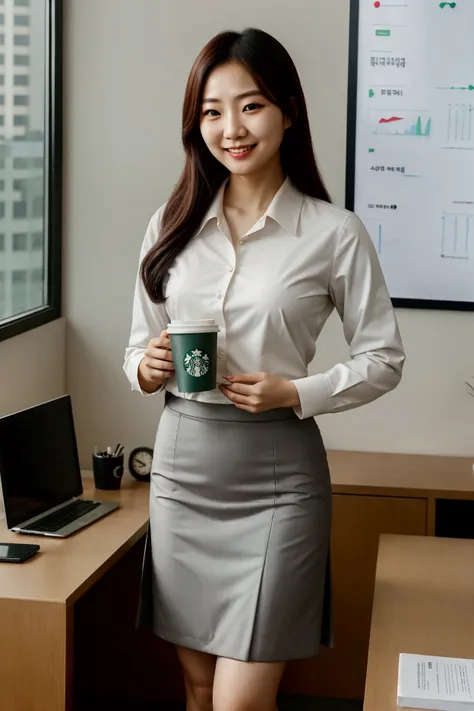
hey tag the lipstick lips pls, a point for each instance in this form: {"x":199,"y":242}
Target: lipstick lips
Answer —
{"x":241,"y":152}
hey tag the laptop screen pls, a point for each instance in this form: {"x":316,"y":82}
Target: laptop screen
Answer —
{"x":39,"y":463}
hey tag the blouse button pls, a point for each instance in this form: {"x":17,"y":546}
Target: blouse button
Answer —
{"x":219,"y":295}
{"x":241,"y":241}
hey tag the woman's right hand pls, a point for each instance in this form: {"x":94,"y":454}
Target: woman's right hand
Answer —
{"x":157,"y":364}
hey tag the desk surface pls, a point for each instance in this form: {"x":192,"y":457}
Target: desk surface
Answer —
{"x":385,"y":473}
{"x":423,"y":604}
{"x":65,"y":568}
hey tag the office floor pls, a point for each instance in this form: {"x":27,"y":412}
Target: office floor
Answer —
{"x":286,"y":702}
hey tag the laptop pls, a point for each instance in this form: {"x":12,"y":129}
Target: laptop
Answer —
{"x":40,"y":472}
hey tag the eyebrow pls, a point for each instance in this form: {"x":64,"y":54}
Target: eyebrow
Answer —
{"x":245,"y":95}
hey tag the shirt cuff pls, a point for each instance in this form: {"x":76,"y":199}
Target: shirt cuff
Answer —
{"x":315,"y":396}
{"x":132,"y":372}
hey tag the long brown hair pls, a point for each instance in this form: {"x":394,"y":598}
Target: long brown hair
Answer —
{"x":272,"y":68}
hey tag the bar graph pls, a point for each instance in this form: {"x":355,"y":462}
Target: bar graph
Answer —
{"x":456,"y":235}
{"x":460,"y":127}
{"x":376,"y":231}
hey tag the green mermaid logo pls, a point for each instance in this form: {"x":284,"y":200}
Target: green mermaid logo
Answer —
{"x":197,"y":363}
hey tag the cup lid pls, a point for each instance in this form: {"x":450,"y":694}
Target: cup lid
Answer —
{"x":206,"y":325}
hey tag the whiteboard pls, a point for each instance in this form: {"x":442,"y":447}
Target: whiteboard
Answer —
{"x":410,"y":148}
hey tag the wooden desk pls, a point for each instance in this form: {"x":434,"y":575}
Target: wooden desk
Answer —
{"x":423,"y":604}
{"x":385,"y":473}
{"x":373,"y":494}
{"x":37,"y":600}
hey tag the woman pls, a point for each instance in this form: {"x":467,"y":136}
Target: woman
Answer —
{"x":240,"y":509}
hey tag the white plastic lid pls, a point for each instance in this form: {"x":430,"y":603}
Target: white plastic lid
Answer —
{"x":207,"y":325}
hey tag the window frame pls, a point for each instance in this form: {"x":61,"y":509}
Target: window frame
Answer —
{"x":53,"y":180}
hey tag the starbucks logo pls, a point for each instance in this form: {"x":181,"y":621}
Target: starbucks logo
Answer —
{"x":197,"y":363}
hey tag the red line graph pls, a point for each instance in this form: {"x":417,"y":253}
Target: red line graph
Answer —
{"x":391,"y":119}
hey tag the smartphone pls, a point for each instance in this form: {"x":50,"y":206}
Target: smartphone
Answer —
{"x":17,"y":552}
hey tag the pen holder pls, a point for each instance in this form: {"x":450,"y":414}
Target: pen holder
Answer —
{"x":108,"y":471}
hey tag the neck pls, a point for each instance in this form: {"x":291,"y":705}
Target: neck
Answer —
{"x":254,"y":193}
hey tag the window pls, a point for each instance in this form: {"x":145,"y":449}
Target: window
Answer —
{"x":2,"y":209}
{"x":2,"y":59}
{"x":2,"y":243}
{"x":2,"y":295}
{"x":19,"y":291}
{"x":31,"y":211}
{"x":2,"y":99}
{"x":21,"y":80}
{"x":20,"y":242}
{"x":36,"y":287}
{"x":28,"y":163}
{"x":2,"y":185}
{"x":21,"y":20}
{"x":37,"y":241}
{"x":2,"y":120}
{"x":21,"y":40}
{"x":2,"y":80}
{"x":38,"y":205}
{"x":2,"y":38}
{"x":20,"y":60}
{"x":19,"y":209}
{"x":2,"y":18}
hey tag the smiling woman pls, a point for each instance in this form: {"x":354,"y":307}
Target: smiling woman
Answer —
{"x":256,"y":62}
{"x":236,"y":571}
{"x":236,"y":130}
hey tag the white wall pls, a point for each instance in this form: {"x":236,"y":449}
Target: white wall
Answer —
{"x":126,"y":67}
{"x":32,"y":368}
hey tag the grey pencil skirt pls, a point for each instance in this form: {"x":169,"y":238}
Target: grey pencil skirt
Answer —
{"x":236,"y":560}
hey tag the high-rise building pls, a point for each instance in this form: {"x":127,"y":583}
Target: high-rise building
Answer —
{"x":22,"y":84}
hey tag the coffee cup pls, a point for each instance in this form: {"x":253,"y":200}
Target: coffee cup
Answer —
{"x":194,"y":349}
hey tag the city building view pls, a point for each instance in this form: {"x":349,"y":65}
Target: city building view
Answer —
{"x":22,"y":149}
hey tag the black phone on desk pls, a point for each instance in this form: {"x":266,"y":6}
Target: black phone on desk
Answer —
{"x":17,"y":552}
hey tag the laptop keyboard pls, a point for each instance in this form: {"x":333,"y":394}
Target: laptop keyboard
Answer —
{"x":53,"y":522}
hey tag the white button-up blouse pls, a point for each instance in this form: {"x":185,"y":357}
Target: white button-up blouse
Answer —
{"x":271,"y":295}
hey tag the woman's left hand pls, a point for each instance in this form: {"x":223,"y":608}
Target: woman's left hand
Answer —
{"x":259,"y":392}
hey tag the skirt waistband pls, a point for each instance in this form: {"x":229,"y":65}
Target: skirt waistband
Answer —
{"x":225,"y":413}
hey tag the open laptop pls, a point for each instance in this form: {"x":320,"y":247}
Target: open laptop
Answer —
{"x":40,"y":472}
